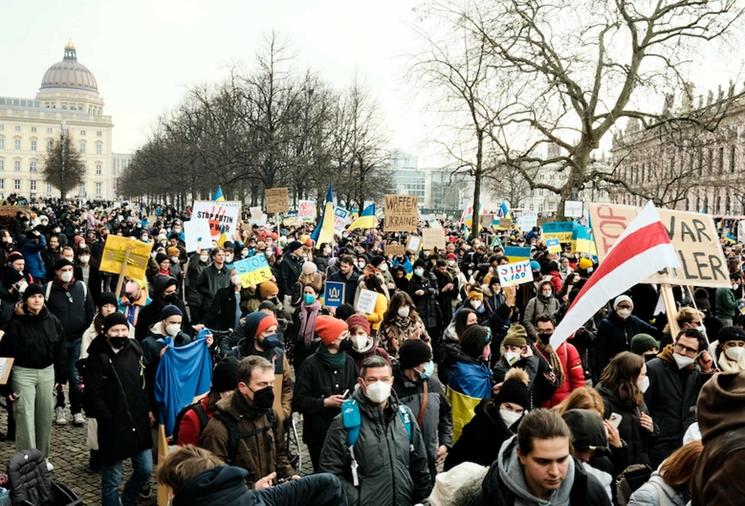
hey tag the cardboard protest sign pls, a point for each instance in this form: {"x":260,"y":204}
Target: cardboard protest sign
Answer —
{"x":394,"y":250}
{"x":693,"y":235}
{"x":197,"y":235}
{"x":573,"y":208}
{"x":117,"y":248}
{"x":433,"y":238}
{"x":306,"y":210}
{"x":553,"y":245}
{"x":277,"y":200}
{"x":253,"y":270}
{"x":515,"y":273}
{"x":222,"y":217}
{"x":413,"y":242}
{"x":485,"y":220}
{"x":517,"y":253}
{"x":401,"y":213}
{"x":561,"y":230}
{"x":333,"y":295}
{"x":526,"y":222}
{"x":366,"y":301}
{"x":257,"y":216}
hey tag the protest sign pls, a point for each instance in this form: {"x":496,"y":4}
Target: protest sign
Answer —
{"x":222,"y":217}
{"x":561,"y":230}
{"x":306,"y":210}
{"x":197,"y":235}
{"x":125,"y":256}
{"x":341,"y":218}
{"x":253,"y":270}
{"x":257,"y":216}
{"x":741,"y":231}
{"x":517,"y":253}
{"x":433,"y":238}
{"x":553,"y":245}
{"x":485,"y":220}
{"x":413,"y":242}
{"x":277,"y":200}
{"x":573,"y":209}
{"x":515,"y":273}
{"x":400,"y":213}
{"x":582,"y":240}
{"x":333,"y":295}
{"x":6,"y":364}
{"x":693,"y":235}
{"x":394,"y":250}
{"x":366,"y":301}
{"x":526,"y":222}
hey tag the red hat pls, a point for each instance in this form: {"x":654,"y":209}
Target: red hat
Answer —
{"x":265,"y":323}
{"x":358,"y":320}
{"x":14,"y":255}
{"x":452,"y":256}
{"x":329,"y":328}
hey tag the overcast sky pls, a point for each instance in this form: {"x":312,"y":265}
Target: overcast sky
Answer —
{"x":145,"y":54}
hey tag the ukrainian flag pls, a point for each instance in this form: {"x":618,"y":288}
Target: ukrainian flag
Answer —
{"x":468,"y":385}
{"x":218,"y":196}
{"x":324,"y":231}
{"x":367,"y":219}
{"x":730,"y":239}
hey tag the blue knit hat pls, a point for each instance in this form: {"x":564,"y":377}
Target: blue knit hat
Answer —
{"x":170,"y":310}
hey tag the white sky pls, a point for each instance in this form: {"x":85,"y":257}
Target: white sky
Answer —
{"x":145,"y":54}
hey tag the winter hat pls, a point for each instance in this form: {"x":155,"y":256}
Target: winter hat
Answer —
{"x":731,"y":334}
{"x":268,"y":289}
{"x":173,"y":251}
{"x":622,"y":298}
{"x":225,"y":375}
{"x":719,"y":407}
{"x":329,"y":328}
{"x":32,"y":289}
{"x":106,"y":298}
{"x":584,"y":263}
{"x":14,"y":255}
{"x":588,"y":431}
{"x":309,"y":267}
{"x":170,"y":310}
{"x":516,"y":336}
{"x":62,"y":263}
{"x":11,"y":277}
{"x":115,"y":318}
{"x":293,"y":246}
{"x":452,"y":256}
{"x":457,"y":485}
{"x":161,"y":257}
{"x":473,"y":340}
{"x":476,"y":293}
{"x":376,"y":261}
{"x":413,"y":352}
{"x":358,"y":320}
{"x":515,"y":388}
{"x":344,"y":311}
{"x":535,"y":266}
{"x":642,"y":343}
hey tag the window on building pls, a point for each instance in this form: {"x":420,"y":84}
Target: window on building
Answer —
{"x":81,"y":190}
{"x":33,"y":130}
{"x":82,"y":133}
{"x":99,"y":133}
{"x":700,"y":163}
{"x":16,"y":184}
{"x":50,"y":144}
{"x":98,"y":189}
{"x":721,"y":160}
{"x":710,"y":165}
{"x":2,"y":164}
{"x":2,"y":127}
{"x":33,"y":144}
{"x":32,"y":186}
{"x":82,"y":147}
{"x":2,"y":184}
{"x":32,"y":166}
{"x":98,"y":169}
{"x":2,"y":142}
{"x":732,"y":159}
{"x":49,"y":130}
{"x":18,"y":128}
{"x":99,"y":148}
{"x":49,"y":187}
{"x":727,"y":204}
{"x":17,"y":166}
{"x":17,"y":143}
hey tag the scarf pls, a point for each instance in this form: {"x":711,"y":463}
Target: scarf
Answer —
{"x":333,"y":360}
{"x":553,"y":360}
{"x":308,"y":315}
{"x":726,"y":364}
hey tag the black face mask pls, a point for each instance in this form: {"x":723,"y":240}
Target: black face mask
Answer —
{"x":171,"y":298}
{"x":545,"y":338}
{"x":270,"y":342}
{"x":118,"y":342}
{"x":346,"y":345}
{"x":649,"y":356}
{"x":264,"y":398}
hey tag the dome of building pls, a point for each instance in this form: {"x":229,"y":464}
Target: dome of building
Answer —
{"x":69,"y":73}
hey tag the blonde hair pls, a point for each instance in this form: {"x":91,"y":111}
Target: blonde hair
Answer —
{"x":185,"y":463}
{"x":582,"y":398}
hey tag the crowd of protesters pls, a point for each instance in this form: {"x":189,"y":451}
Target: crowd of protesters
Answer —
{"x":460,"y":397}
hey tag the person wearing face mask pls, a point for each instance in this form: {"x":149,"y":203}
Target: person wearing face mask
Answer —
{"x":363,"y":344}
{"x":401,"y":323}
{"x":622,"y":387}
{"x":543,"y":304}
{"x":309,"y":275}
{"x":322,"y":382}
{"x":469,"y":378}
{"x":305,"y":323}
{"x":725,"y":301}
{"x":730,"y":350}
{"x":213,"y":277}
{"x":417,"y":388}
{"x":261,"y":339}
{"x":165,"y":292}
{"x":226,"y":310}
{"x":321,"y":257}
{"x":645,"y":346}
{"x":197,"y":263}
{"x":116,"y":396}
{"x":174,"y":255}
{"x":423,"y":291}
{"x":31,"y":249}
{"x":390,"y":452}
{"x":675,"y":380}
{"x":248,"y":410}
{"x":565,"y":366}
{"x":290,"y":269}
{"x":616,"y":331}
{"x":11,"y":290}
{"x":69,"y":300}
{"x":134,"y":299}
{"x":494,"y":422}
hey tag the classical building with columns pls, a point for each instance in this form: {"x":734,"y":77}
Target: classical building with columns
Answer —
{"x":67,"y":102}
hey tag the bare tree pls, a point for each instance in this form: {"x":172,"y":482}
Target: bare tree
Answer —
{"x":63,"y":167}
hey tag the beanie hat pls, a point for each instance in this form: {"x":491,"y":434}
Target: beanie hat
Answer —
{"x":642,"y":343}
{"x":516,"y":336}
{"x":584,"y":263}
{"x":515,"y":388}
{"x":473,"y":340}
{"x":161,"y":257}
{"x":32,"y":289}
{"x":170,"y":310}
{"x":376,"y":261}
{"x":535,"y":266}
{"x":309,"y":267}
{"x":293,"y":246}
{"x":115,"y":318}
{"x":256,"y":323}
{"x":62,"y":263}
{"x":225,"y":375}
{"x":344,"y":311}
{"x":719,"y":405}
{"x":413,"y":352}
{"x":731,"y":334}
{"x":172,"y":251}
{"x":358,"y":320}
{"x":588,"y":431}
{"x":14,"y":255}
{"x":11,"y":276}
{"x":268,"y":289}
{"x":265,"y":323}
{"x":329,"y":328}
{"x":476,"y":293}
{"x":622,"y":298}
{"x":106,"y":298}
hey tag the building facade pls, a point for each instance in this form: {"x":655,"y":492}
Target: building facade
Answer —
{"x":67,"y":103}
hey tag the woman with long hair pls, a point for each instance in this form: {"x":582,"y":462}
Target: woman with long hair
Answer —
{"x":400,"y":323}
{"x":670,"y":484}
{"x":622,"y":386}
{"x":375,"y":284}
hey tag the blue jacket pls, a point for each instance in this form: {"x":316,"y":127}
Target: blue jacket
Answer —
{"x":32,"y":254}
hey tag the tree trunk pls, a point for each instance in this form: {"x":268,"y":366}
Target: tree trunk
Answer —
{"x":477,"y":184}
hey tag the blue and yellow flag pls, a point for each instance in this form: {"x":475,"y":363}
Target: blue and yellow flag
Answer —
{"x":366,"y":220}
{"x":324,"y":231}
{"x":218,"y":196}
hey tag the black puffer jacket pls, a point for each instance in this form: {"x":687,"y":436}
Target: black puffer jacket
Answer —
{"x":481,"y":437}
{"x":614,"y":336}
{"x":73,"y":306}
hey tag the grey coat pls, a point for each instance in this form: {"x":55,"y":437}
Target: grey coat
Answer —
{"x":657,"y":493}
{"x":390,"y":473}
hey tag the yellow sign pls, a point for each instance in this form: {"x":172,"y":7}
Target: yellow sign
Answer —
{"x":115,"y":251}
{"x":253,"y":270}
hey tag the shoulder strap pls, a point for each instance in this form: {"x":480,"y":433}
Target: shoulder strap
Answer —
{"x":201,"y":415}
{"x":423,"y":404}
{"x":231,"y":426}
{"x":85,"y":290}
{"x":48,"y":290}
{"x":405,"y":415}
{"x":578,"y":493}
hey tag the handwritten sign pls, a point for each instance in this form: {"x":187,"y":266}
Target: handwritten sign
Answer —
{"x":394,"y":250}
{"x":253,"y":270}
{"x":553,"y":245}
{"x":401,"y":213}
{"x":115,"y":250}
{"x":515,"y":273}
{"x":277,"y":200}
{"x":222,"y":217}
{"x":433,"y":238}
{"x":333,"y":296}
{"x":366,"y":301}
{"x":413,"y":242}
{"x":694,"y":237}
{"x":561,"y":230}
{"x":573,"y":208}
{"x":306,"y":210}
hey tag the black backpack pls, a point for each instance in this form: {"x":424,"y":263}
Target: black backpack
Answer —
{"x":235,"y":435}
{"x":201,"y":416}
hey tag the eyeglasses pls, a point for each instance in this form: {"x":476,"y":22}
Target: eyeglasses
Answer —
{"x":685,"y":349}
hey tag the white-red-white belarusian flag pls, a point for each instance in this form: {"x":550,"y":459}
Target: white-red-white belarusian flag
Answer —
{"x":641,"y":250}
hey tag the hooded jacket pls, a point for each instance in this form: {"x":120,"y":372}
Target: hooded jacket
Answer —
{"x":717,"y":477}
{"x":657,"y":493}
{"x":505,"y":484}
{"x":614,"y":336}
{"x":219,"y":486}
{"x":538,"y":306}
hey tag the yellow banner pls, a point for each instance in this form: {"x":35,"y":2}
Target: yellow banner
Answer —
{"x":115,"y":251}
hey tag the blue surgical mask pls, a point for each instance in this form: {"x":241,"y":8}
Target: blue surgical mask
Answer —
{"x":271,"y":341}
{"x":429,"y":368}
{"x":309,"y":299}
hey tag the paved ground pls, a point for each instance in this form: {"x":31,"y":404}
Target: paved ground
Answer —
{"x":69,"y":455}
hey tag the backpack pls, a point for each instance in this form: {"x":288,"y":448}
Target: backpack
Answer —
{"x":201,"y":416}
{"x":235,"y":435}
{"x":628,"y":481}
{"x":351,"y":420}
{"x":49,"y":289}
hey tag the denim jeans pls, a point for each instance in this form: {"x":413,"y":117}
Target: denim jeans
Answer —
{"x":76,"y":395}
{"x":111,"y":478}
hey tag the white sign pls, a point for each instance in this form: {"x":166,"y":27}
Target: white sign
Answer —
{"x":413,"y":242}
{"x":526,"y":222}
{"x":221,"y":217}
{"x":257,"y":216}
{"x":306,"y":210}
{"x":741,"y":231}
{"x":197,"y":235}
{"x":341,"y":218}
{"x":366,"y":301}
{"x":573,"y":209}
{"x":515,"y":274}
